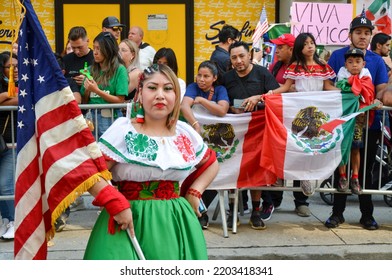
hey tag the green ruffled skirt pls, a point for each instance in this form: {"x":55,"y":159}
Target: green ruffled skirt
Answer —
{"x":165,"y":229}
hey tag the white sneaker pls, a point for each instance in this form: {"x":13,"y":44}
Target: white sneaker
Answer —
{"x":3,"y":226}
{"x":307,"y":187}
{"x":10,"y":234}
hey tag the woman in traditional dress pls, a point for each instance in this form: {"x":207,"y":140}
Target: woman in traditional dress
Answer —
{"x":148,"y":157}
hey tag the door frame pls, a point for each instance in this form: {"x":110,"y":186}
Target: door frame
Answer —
{"x":124,"y":18}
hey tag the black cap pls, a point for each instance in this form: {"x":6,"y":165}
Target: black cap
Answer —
{"x":111,"y":22}
{"x":361,"y":22}
{"x":354,"y":52}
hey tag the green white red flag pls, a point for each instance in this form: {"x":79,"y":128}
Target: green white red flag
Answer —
{"x":379,"y":12}
{"x":237,"y":141}
{"x":331,"y":125}
{"x":294,"y":147}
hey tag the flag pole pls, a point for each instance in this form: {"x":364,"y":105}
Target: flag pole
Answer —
{"x":136,"y":245}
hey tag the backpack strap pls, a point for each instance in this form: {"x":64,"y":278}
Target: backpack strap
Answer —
{"x":276,"y":68}
{"x":212,"y":91}
{"x":142,"y":46}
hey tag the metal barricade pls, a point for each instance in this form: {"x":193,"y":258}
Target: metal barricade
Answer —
{"x":384,"y":157}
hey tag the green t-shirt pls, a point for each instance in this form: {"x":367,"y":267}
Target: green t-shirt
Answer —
{"x":118,"y":85}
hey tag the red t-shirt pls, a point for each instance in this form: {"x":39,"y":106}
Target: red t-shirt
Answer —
{"x":279,"y":76}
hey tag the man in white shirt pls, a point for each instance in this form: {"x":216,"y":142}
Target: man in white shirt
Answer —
{"x":146,"y":52}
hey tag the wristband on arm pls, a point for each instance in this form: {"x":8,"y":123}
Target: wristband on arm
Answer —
{"x":210,"y":155}
{"x":114,"y":202}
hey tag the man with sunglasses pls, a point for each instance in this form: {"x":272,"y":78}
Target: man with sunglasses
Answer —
{"x":112,"y":25}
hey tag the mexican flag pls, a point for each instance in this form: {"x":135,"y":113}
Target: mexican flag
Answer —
{"x":237,"y":140}
{"x":277,"y":29}
{"x":379,"y":12}
{"x":294,"y":147}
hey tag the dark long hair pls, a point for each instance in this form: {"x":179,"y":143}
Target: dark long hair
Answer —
{"x":109,"y":49}
{"x":4,"y":57}
{"x":213,"y":68}
{"x":298,"y":56}
{"x":170,"y":57}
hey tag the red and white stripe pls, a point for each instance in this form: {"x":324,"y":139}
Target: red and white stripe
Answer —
{"x":261,"y":27}
{"x":61,"y":156}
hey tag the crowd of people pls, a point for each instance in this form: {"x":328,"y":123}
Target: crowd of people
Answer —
{"x":231,"y":81}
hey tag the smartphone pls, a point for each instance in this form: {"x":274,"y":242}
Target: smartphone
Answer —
{"x":202,"y":207}
{"x":74,"y":73}
{"x":237,"y":103}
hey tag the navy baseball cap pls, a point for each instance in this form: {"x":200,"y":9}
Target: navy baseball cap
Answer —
{"x":354,"y":52}
{"x":111,"y":22}
{"x":361,"y":22}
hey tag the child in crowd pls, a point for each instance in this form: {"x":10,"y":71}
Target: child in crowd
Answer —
{"x":354,"y":72}
{"x":215,"y":99}
{"x":308,"y":73}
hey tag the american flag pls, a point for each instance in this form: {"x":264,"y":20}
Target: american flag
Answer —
{"x":363,"y":13}
{"x":261,"y":28}
{"x":58,"y":157}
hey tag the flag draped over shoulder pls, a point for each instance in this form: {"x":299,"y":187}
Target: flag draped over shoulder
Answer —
{"x":294,"y":148}
{"x":57,"y":158}
{"x":237,"y":141}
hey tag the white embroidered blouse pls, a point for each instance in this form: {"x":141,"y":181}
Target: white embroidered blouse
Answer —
{"x":143,"y":158}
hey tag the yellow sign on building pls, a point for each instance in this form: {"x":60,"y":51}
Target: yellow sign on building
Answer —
{"x":209,"y":17}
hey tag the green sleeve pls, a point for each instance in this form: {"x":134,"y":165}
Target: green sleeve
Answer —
{"x":121,"y":85}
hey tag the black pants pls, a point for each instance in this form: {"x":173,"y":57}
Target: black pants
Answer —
{"x":365,"y":200}
{"x":277,"y":196}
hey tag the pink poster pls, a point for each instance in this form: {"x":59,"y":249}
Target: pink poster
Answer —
{"x":328,"y":22}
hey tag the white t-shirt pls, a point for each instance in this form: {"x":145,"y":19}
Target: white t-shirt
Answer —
{"x":182,"y":87}
{"x":344,"y":74}
{"x":146,"y":57}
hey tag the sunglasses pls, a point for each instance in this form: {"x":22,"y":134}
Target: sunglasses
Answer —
{"x":116,"y":28}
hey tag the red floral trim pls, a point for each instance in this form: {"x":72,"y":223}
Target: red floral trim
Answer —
{"x":158,"y":190}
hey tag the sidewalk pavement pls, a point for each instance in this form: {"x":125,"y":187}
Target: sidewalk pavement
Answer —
{"x":286,"y":237}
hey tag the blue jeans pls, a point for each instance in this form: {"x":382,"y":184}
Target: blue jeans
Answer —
{"x":104,"y":121}
{"x":7,"y":183}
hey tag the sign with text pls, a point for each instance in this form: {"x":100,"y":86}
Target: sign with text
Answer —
{"x":328,"y":22}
